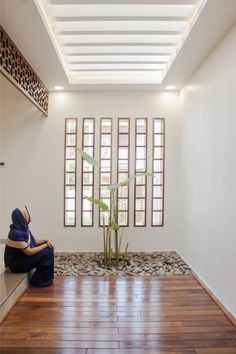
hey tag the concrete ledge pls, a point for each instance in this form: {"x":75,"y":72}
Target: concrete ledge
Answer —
{"x":12,"y":286}
{"x":2,"y":249}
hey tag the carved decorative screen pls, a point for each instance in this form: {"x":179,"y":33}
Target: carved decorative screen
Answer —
{"x":16,"y":69}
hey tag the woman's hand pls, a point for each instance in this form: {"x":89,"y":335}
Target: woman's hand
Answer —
{"x":50,"y":244}
{"x":32,"y":251}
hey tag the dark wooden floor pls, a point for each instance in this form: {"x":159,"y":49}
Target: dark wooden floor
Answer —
{"x":126,"y":315}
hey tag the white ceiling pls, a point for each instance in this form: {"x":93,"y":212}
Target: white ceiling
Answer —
{"x":101,"y":44}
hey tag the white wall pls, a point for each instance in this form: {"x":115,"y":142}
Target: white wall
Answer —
{"x":208,"y":172}
{"x":34,"y":154}
{"x":2,"y":267}
{"x":0,"y":141}
{"x":1,"y":157}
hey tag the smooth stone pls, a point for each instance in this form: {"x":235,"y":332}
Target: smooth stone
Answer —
{"x":140,"y":264}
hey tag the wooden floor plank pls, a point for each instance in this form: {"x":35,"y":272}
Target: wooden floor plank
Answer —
{"x":118,"y":315}
{"x":216,"y":351}
{"x":177,"y":329}
{"x":43,"y":351}
{"x":140,"y":351}
{"x":107,"y":337}
{"x":178,"y":344}
{"x":15,"y":343}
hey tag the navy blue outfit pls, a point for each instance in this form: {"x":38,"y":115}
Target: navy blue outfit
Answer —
{"x":19,"y":238}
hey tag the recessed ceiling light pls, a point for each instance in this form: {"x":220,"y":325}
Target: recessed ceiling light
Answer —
{"x":170,"y":87}
{"x":58,"y":88}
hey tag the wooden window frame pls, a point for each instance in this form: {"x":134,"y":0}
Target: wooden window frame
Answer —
{"x":128,"y":159}
{"x":75,"y":172}
{"x":100,"y":160}
{"x":136,"y":171}
{"x":162,"y":172}
{"x":82,"y":171}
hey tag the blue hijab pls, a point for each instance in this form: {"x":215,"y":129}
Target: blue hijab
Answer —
{"x":19,"y":229}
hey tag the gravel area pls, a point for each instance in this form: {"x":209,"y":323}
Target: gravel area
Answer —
{"x":141,"y":264}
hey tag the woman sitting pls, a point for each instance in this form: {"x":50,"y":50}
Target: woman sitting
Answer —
{"x":23,"y":253}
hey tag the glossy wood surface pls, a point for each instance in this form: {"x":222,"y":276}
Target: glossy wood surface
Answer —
{"x":118,"y":315}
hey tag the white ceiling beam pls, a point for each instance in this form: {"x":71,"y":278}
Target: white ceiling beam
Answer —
{"x":122,"y":10}
{"x":119,"y":19}
{"x":117,"y":62}
{"x":124,"y":50}
{"x":90,"y":26}
{"x":142,"y":38}
{"x":107,"y":73}
{"x":77,"y":72}
{"x":114,"y":66}
{"x":117,"y":58}
{"x":116,"y":77}
{"x":117,"y":33}
{"x":138,"y":73}
{"x":121,"y":2}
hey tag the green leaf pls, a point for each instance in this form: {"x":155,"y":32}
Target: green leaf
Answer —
{"x":115,"y":226}
{"x":98,"y":202}
{"x":88,"y":158}
{"x":126,"y":182}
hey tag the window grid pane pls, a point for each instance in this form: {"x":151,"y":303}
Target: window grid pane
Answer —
{"x":88,"y":145}
{"x":70,"y":171}
{"x":123,"y":170}
{"x":105,"y":176}
{"x":140,"y":184}
{"x":158,"y":170}
{"x":123,"y":153}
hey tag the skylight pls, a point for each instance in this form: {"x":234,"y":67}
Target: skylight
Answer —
{"x":118,"y":42}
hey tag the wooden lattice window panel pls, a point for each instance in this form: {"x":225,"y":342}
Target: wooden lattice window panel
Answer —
{"x":105,"y":175}
{"x":88,"y":145}
{"x":123,"y":161}
{"x":140,"y":183}
{"x":158,"y":170}
{"x":70,"y":172}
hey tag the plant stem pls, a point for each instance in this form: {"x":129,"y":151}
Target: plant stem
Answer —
{"x":104,"y":242}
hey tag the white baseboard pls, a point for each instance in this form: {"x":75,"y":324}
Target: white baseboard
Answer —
{"x":212,"y":294}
